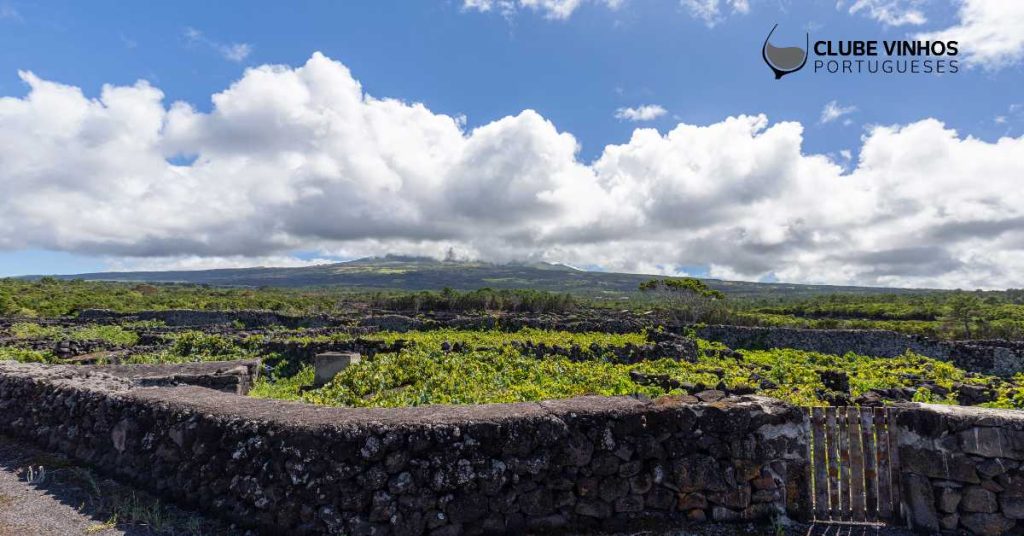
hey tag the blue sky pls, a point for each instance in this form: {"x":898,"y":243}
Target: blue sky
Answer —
{"x":482,"y":66}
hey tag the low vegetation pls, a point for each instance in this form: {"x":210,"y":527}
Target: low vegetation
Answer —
{"x":954,"y":314}
{"x":119,"y":335}
{"x":466,"y":366}
{"x":492,"y":368}
{"x":947,"y":314}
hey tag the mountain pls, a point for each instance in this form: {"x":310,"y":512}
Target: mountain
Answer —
{"x":417,"y":273}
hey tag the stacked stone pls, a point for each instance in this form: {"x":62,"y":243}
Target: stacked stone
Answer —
{"x":576,"y":465}
{"x":999,"y":358}
{"x":962,"y":469}
{"x":63,"y":348}
{"x":303,"y":351}
{"x":679,"y":349}
{"x":198,"y":318}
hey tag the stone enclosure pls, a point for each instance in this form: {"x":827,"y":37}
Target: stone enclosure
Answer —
{"x":995,"y":357}
{"x":575,"y":465}
{"x":568,"y":466}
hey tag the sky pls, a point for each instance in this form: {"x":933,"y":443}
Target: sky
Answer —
{"x":643,"y":136}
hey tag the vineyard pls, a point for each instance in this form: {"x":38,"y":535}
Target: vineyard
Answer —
{"x":458,"y":366}
{"x":493,"y":367}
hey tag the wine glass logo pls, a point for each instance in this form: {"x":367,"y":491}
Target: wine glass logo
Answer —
{"x":784,"y":60}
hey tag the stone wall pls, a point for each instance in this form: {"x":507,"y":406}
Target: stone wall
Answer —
{"x":197,"y":318}
{"x":962,"y":469}
{"x":1000,"y":358}
{"x":229,"y":376}
{"x":997,"y":357}
{"x":660,"y":346}
{"x":559,"y":466}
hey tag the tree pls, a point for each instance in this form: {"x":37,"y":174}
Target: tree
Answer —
{"x":689,"y":300}
{"x":965,"y":308}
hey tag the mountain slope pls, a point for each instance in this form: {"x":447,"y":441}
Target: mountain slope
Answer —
{"x":414,"y":273}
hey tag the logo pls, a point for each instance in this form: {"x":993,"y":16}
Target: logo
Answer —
{"x":863,"y":56}
{"x":784,"y":60}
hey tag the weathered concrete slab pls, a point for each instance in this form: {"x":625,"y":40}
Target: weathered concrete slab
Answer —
{"x":327,"y":365}
{"x":228,"y":376}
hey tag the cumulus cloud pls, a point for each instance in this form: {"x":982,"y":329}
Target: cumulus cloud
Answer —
{"x":644,"y":112}
{"x":891,"y":12}
{"x":833,"y":110}
{"x":990,"y":32}
{"x":302,"y":159}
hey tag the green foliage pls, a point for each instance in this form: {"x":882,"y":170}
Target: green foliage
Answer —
{"x":684,"y":285}
{"x":29,"y":330}
{"x":199,"y":344}
{"x":493,"y":370}
{"x":965,"y":308}
{"x":49,"y":297}
{"x":687,"y":300}
{"x":419,"y":376}
{"x":485,"y":299}
{"x":194,"y":346}
{"x":23,"y":355}
{"x":286,"y":388}
{"x":110,"y":333}
{"x":493,"y":338}
{"x":952,"y":314}
{"x":944,"y":314}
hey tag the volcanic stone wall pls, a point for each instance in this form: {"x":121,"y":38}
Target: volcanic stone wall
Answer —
{"x":962,"y":469}
{"x":560,"y":466}
{"x":990,"y":357}
{"x":192,"y":317}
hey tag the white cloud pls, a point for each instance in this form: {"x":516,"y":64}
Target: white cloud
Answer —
{"x":990,"y":32}
{"x":713,"y":12}
{"x":891,"y":12}
{"x":301,"y":159}
{"x":194,"y":262}
{"x":710,"y":11}
{"x":236,"y":52}
{"x":644,"y":112}
{"x":552,"y":9}
{"x":833,"y":110}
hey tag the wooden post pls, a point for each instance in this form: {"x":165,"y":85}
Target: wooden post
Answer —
{"x":885,"y":490}
{"x":856,"y":464}
{"x":820,"y":461}
{"x":870,"y":471}
{"x":832,"y":432}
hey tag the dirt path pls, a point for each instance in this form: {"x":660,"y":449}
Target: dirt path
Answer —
{"x":42,"y":495}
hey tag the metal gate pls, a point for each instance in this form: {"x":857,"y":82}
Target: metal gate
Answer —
{"x":854,"y":473}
